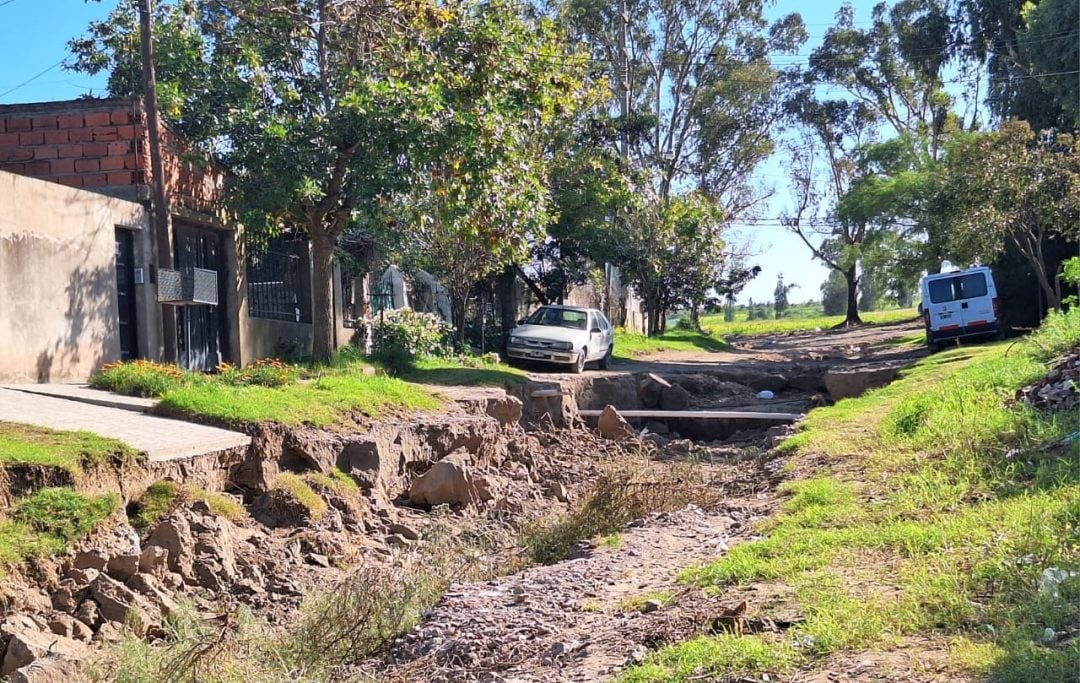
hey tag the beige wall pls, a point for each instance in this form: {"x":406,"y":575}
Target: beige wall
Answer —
{"x":58,"y":309}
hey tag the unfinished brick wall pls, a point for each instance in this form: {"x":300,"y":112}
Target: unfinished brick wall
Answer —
{"x":98,"y":145}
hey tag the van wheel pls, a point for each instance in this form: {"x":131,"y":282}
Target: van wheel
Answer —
{"x":579,"y":364}
{"x":932,"y":346}
{"x":603,"y":363}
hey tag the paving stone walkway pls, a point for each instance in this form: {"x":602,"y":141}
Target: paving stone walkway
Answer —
{"x":159,"y":438}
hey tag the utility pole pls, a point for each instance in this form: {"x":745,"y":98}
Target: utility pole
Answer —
{"x":622,"y":77}
{"x":162,"y":220}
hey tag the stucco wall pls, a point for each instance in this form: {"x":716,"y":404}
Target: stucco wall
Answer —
{"x":58,"y":307}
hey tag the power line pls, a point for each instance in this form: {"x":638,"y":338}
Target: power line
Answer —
{"x":31,"y":79}
{"x":6,"y":2}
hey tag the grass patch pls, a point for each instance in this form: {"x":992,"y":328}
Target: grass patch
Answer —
{"x":299,"y":489}
{"x":947,"y":502}
{"x":722,"y":657}
{"x":49,"y":521}
{"x":630,"y":345}
{"x":323,"y":401}
{"x":269,"y":391}
{"x":636,"y":603}
{"x":162,"y":497}
{"x":750,"y":328}
{"x":613,"y":541}
{"x":336,"y":481}
{"x":463,"y":371}
{"x":22,"y":444}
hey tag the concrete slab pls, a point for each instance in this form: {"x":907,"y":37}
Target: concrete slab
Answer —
{"x":161,"y":439}
{"x":84,"y":394}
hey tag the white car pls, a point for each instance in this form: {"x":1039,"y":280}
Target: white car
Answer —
{"x":567,"y":335}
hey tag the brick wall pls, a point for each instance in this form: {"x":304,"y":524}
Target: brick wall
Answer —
{"x":99,"y":145}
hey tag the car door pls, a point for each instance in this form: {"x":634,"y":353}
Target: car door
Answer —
{"x":597,"y":346}
{"x":944,"y":308}
{"x":609,"y":332}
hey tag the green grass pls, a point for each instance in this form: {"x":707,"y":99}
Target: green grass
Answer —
{"x":630,"y":345}
{"x":270,"y":391}
{"x":301,"y":492}
{"x":74,"y":452}
{"x":49,"y":521}
{"x":463,"y":371}
{"x":749,"y":328}
{"x":162,"y":497}
{"x":336,"y":481}
{"x":940,"y":504}
{"x":323,"y":401}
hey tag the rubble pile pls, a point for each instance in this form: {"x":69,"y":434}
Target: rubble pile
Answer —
{"x":1060,"y":389}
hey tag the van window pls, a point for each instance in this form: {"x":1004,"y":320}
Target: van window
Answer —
{"x":967,"y":286}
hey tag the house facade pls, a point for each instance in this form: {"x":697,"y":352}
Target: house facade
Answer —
{"x":90,"y":159}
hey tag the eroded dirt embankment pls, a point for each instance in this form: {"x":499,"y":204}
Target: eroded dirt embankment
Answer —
{"x":303,"y":509}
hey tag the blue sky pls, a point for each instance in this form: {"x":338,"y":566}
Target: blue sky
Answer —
{"x":34,"y":36}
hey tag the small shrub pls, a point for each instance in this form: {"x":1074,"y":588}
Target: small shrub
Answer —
{"x":65,"y":514}
{"x":402,"y":334}
{"x":140,"y":378}
{"x":626,"y":492}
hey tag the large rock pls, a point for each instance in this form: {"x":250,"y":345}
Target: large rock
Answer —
{"x":70,"y":627}
{"x":154,"y":560}
{"x":149,"y":587}
{"x":123,"y":567}
{"x":28,"y":646}
{"x":614,"y":427}
{"x":116,"y":602}
{"x":49,"y":669}
{"x":174,"y":535}
{"x":674,"y":397}
{"x":447,"y":482}
{"x":91,"y":559}
{"x":843,"y":384}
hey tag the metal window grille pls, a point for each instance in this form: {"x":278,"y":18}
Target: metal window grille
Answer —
{"x":273,"y":282}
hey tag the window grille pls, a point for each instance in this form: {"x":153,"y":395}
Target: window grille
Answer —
{"x":273,"y":283}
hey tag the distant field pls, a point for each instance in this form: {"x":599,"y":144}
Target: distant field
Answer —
{"x":744,"y":328}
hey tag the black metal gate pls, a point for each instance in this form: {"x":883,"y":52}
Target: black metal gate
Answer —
{"x":125,"y":294}
{"x":201,"y":331}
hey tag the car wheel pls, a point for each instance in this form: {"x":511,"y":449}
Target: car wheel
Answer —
{"x":607,"y":357}
{"x":579,"y":364}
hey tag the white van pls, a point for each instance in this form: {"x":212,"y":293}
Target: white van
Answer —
{"x":960,"y":305}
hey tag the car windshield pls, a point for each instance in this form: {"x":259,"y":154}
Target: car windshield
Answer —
{"x":559,"y":317}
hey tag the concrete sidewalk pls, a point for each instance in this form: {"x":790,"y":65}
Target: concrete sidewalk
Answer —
{"x":159,"y":438}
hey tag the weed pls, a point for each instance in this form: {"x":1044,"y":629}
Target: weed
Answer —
{"x":628,"y":490}
{"x":336,"y":481}
{"x":613,"y":541}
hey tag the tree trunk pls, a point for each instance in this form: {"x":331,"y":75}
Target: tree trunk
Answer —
{"x":695,"y":316}
{"x":458,"y":302}
{"x":852,"y":297}
{"x":322,"y":296}
{"x":504,"y":292}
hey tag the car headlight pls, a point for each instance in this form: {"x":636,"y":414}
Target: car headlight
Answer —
{"x":563,"y":346}
{"x":517,"y":341}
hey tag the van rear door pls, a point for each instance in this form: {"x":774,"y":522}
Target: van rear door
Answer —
{"x":945,"y":311}
{"x":976,"y":301}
